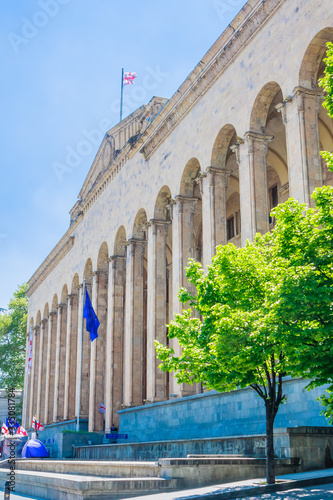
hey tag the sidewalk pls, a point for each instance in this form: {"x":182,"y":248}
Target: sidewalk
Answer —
{"x":231,"y":490}
{"x":245,"y":488}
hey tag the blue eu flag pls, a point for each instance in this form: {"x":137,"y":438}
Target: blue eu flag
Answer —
{"x":92,"y":322}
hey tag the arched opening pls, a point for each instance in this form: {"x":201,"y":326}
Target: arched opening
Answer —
{"x":270,"y":147}
{"x":116,"y":353}
{"x":86,"y":347}
{"x":102,"y":305}
{"x":61,"y":355}
{"x":52,"y":354}
{"x":188,"y":225}
{"x":311,"y":70}
{"x":192,"y":199}
{"x":74,"y":325}
{"x":224,"y":159}
{"x":313,"y":57}
{"x":135,"y":363}
{"x":44,"y":350}
{"x":36,"y":362}
{"x":159,"y":293}
{"x":30,"y":379}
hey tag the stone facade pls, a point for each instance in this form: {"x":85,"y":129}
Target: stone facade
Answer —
{"x":172,"y":181}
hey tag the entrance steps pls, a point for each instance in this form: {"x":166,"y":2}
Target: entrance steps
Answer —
{"x":92,"y":479}
{"x":61,"y":480}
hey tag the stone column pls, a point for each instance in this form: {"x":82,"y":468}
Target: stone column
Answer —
{"x":157,"y":389}
{"x":73,"y":355}
{"x":182,"y":250}
{"x":134,"y":359}
{"x":251,"y":156}
{"x":48,"y":367}
{"x":213,"y":186}
{"x":100,"y":367}
{"x":32,"y":378}
{"x":79,"y":349}
{"x":114,"y":340}
{"x":57,"y":367}
{"x":40,"y":371}
{"x":92,"y":380}
{"x":36,"y":362}
{"x":25,"y":407}
{"x":300,"y":117}
{"x":67,"y":355}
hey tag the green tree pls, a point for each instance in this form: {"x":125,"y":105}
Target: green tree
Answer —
{"x":236,"y":343}
{"x":13,"y":327}
{"x":303,"y":238}
{"x":266,"y":311}
{"x":327,"y":84}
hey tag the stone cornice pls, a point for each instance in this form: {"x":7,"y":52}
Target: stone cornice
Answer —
{"x":247,"y":23}
{"x":53,"y":259}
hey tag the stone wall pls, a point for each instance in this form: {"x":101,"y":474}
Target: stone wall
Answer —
{"x":212,"y":414}
{"x":312,"y":447}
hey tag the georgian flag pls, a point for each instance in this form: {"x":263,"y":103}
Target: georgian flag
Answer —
{"x":102,"y":408}
{"x":129,"y":78}
{"x":21,"y":431}
{"x":37,"y":425}
{"x":4,"y":429}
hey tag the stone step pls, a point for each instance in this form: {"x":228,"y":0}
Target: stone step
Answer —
{"x":55,"y":486}
{"x":90,"y":467}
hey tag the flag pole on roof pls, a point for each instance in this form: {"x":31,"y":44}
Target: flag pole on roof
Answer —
{"x":127,"y":78}
{"x":121,"y":93}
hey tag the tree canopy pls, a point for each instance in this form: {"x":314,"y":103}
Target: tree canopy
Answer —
{"x":13,"y":327}
{"x":327,"y":84}
{"x":237,"y":342}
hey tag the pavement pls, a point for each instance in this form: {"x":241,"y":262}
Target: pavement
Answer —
{"x":300,"y":485}
{"x":249,"y":488}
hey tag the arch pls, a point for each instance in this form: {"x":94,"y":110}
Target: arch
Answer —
{"x":308,"y":74}
{"x":38,"y":318}
{"x":75,"y":283}
{"x":262,"y":105}
{"x":64,"y":295}
{"x":73,"y":332}
{"x":191,"y":171}
{"x":87,"y":273}
{"x":103,"y":256}
{"x":120,"y":242}
{"x":162,"y":200}
{"x":221,"y":150}
{"x":140,"y":225}
{"x":46,"y":310}
{"x":54,"y":303}
{"x":31,"y":323}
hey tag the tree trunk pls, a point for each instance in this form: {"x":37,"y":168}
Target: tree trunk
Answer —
{"x":270,"y":471}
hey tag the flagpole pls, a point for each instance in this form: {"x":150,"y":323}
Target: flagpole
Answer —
{"x":121,"y":94}
{"x":80,"y":364}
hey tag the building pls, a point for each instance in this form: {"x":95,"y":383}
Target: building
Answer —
{"x":172,"y":181}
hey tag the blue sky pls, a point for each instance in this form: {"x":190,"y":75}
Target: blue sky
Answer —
{"x":61,"y":62}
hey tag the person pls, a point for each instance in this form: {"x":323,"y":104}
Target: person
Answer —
{"x":114,"y":428}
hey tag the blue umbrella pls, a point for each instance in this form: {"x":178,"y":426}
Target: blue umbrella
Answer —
{"x":34,"y":448}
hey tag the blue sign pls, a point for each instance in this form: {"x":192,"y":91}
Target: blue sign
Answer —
{"x":116,"y":436}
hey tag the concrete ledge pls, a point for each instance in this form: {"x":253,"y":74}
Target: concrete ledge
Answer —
{"x":54,"y":486}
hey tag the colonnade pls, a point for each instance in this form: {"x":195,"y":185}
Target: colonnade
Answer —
{"x":135,"y":284}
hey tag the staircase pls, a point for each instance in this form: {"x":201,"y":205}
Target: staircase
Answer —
{"x":79,"y":480}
